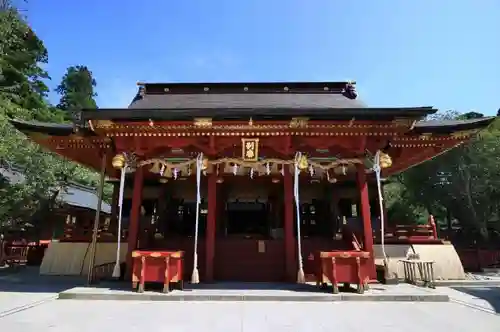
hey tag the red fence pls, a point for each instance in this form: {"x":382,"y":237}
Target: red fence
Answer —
{"x":477,"y":259}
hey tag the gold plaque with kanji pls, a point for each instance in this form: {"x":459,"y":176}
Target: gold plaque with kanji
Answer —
{"x":250,"y":149}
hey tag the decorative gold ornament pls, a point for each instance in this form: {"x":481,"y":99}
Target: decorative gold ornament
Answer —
{"x":204,"y":164}
{"x":203,"y":123}
{"x":303,"y":164}
{"x":250,"y":149}
{"x":299,"y":122}
{"x":118,"y":161}
{"x":385,"y":160}
{"x":155,"y":168}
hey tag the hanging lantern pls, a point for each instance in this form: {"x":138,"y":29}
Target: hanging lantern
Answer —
{"x":204,"y":164}
{"x":302,"y":163}
{"x":385,"y":160}
{"x":118,"y":161}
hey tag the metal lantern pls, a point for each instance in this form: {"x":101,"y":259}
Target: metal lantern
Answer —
{"x":118,"y":161}
{"x":302,"y":163}
{"x":385,"y":160}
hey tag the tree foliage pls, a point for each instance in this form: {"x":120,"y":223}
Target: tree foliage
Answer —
{"x":462,"y":184}
{"x":77,"y":89}
{"x":23,"y":95}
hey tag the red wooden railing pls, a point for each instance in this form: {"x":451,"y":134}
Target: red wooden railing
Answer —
{"x":478,"y":259}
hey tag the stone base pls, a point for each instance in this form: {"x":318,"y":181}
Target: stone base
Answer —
{"x":447,"y":263}
{"x":377,"y":292}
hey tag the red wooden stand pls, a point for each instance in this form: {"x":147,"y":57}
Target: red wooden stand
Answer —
{"x":348,"y":267}
{"x":157,"y":266}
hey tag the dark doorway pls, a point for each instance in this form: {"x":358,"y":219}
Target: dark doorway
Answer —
{"x":247,"y":218}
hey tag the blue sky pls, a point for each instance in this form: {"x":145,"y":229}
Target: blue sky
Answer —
{"x":401,"y":53}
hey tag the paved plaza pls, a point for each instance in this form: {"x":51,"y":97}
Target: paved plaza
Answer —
{"x":29,"y":303}
{"x":80,"y":316}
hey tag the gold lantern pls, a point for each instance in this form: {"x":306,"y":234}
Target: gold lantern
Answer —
{"x":302,"y":163}
{"x":118,"y":161}
{"x":204,"y":164}
{"x":385,"y":160}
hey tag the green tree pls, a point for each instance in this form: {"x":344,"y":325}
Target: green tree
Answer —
{"x":22,"y":79}
{"x":462,"y":184}
{"x":77,"y":89}
{"x":23,"y":96}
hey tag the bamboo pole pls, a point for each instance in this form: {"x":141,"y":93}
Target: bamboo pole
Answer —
{"x":93,"y":244}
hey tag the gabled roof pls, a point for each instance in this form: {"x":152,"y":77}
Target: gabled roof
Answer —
{"x":226,"y":101}
{"x":73,"y":194}
{"x":290,"y":95}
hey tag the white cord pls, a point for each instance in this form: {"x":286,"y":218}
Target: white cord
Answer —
{"x":377,"y":170}
{"x":199,"y":165}
{"x":116,"y":270}
{"x":297,"y":207}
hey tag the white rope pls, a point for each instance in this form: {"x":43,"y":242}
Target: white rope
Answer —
{"x":377,"y":170}
{"x":300,"y":273}
{"x":116,"y":269}
{"x":195,"y":277}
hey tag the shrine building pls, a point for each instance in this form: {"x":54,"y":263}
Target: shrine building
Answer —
{"x":258,"y":148}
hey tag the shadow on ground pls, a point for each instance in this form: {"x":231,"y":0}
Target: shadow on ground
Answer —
{"x":28,"y":280}
{"x":488,"y":294}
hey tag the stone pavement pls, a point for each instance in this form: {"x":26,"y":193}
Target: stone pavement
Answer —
{"x":255,"y":292}
{"x":128,"y":316}
{"x":29,"y":304}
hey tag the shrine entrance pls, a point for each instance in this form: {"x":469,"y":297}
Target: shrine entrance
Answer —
{"x":249,"y":246}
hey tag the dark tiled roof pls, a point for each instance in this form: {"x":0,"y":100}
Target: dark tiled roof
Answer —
{"x":52,"y":129}
{"x":245,"y":101}
{"x":446,"y":126}
{"x":73,"y":194}
{"x":227,"y":101}
{"x":245,"y":96}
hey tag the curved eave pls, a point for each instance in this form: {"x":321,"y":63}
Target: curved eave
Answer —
{"x":45,"y":128}
{"x":277,"y":113}
{"x":45,"y":134}
{"x":451,"y":126}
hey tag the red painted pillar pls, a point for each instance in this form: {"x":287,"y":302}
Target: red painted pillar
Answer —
{"x":288,"y":226}
{"x":135,"y":215}
{"x":365,"y":214}
{"x":211,"y":227}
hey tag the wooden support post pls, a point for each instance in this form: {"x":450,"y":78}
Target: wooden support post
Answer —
{"x":288,"y":226}
{"x":211,"y":227}
{"x":135,"y":216}
{"x":366,"y":216}
{"x":93,"y":244}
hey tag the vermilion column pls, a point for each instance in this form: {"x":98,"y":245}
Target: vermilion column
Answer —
{"x":211,"y":227}
{"x":365,"y":215}
{"x":288,"y":226}
{"x":135,"y":215}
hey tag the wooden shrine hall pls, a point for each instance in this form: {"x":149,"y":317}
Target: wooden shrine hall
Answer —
{"x":246,"y":181}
